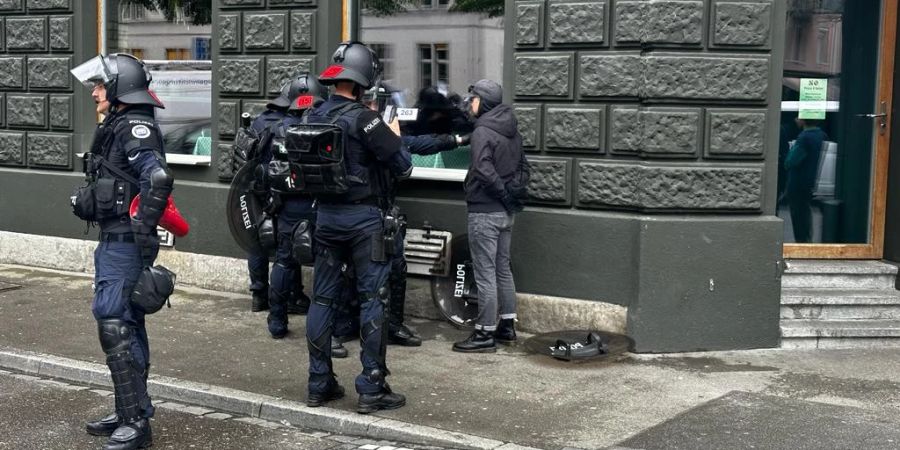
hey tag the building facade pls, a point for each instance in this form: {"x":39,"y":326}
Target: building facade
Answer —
{"x":655,"y":130}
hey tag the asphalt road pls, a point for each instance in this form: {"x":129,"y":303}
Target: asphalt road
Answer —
{"x":47,"y":415}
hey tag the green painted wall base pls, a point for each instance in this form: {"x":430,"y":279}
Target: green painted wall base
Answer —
{"x":689,"y":282}
{"x":707,"y":284}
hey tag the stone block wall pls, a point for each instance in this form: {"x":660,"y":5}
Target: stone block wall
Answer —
{"x":260,"y":45}
{"x":644,"y":105}
{"x":37,"y":92}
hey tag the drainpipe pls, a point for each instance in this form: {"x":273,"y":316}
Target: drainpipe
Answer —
{"x":353,"y":10}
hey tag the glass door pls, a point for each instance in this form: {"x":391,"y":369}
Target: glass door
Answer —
{"x":834,"y":134}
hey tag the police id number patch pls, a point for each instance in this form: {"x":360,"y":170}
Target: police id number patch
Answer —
{"x":140,"y":131}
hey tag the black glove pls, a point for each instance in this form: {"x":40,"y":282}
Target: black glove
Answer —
{"x":510,"y":203}
{"x":146,"y":238}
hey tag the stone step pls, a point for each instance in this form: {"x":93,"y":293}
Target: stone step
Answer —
{"x":840,"y":329}
{"x":840,"y":304}
{"x":838,"y":343}
{"x":825,"y":334}
{"x":840,"y":312}
{"x":810,"y":266}
{"x":839,"y":274}
{"x":839,"y":297}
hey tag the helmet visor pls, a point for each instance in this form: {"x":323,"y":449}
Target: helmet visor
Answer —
{"x":93,"y":72}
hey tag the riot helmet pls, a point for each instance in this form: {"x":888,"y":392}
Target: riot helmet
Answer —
{"x":301,"y":92}
{"x":125,"y":78}
{"x":353,"y":61}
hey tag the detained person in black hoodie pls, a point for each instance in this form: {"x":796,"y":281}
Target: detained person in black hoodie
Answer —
{"x":496,"y":154}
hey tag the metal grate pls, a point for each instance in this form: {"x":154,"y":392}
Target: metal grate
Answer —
{"x":427,"y":252}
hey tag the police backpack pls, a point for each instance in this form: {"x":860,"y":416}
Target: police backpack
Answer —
{"x":310,"y":157}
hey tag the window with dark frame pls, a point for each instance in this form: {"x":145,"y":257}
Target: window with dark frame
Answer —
{"x":434,"y":63}
{"x":385,"y":54}
{"x":432,"y":4}
{"x":424,"y":75}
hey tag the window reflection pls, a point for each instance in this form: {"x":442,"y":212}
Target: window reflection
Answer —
{"x":825,"y":144}
{"x":178,"y":54}
{"x":431,"y":54}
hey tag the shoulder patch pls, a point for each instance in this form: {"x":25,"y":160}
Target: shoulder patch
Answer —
{"x":140,"y":131}
{"x":371,"y":125}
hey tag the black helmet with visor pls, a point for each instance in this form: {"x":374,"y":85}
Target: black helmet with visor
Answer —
{"x":125,"y":78}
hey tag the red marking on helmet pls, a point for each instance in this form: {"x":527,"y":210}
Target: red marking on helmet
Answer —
{"x":153,"y":95}
{"x":305,"y":101}
{"x":332,"y":71}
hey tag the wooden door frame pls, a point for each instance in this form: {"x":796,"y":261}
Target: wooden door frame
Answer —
{"x":875,"y":248}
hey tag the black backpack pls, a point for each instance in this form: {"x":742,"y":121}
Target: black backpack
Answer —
{"x":517,"y":186}
{"x":310,"y":156}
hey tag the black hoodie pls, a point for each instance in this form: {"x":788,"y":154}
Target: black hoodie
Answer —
{"x":496,"y":151}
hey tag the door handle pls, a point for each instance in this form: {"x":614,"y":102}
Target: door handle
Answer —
{"x":882,"y":117}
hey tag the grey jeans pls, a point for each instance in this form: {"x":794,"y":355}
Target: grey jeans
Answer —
{"x":490,"y":236}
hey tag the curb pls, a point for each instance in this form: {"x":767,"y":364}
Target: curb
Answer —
{"x":252,"y":405}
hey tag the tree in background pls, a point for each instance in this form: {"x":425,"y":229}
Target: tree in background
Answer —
{"x":199,"y":12}
{"x":492,"y":8}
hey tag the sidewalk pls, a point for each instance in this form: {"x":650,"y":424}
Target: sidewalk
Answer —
{"x":511,"y":396}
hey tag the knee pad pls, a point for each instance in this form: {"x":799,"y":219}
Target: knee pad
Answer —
{"x":115,"y":335}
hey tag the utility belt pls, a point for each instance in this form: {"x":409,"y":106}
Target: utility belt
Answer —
{"x":117,"y":237}
{"x":368,"y":201}
{"x":104,"y":197}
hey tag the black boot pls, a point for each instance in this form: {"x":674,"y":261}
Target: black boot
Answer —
{"x":335,"y":392}
{"x":506,"y":331}
{"x":401,"y":335}
{"x":479,"y":341}
{"x":277,"y":328}
{"x":386,"y":399}
{"x":337,"y":349}
{"x":104,"y":426}
{"x":260,"y":302}
{"x":131,"y":435}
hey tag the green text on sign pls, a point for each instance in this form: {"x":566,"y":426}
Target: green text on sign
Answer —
{"x":813,"y":98}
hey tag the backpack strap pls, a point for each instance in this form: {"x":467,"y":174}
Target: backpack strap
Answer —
{"x":117,"y":171}
{"x":339,"y":111}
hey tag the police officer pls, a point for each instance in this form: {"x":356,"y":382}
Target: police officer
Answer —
{"x":258,"y":264}
{"x":351,"y":229}
{"x":127,"y":147}
{"x":398,"y":332}
{"x":292,"y":205}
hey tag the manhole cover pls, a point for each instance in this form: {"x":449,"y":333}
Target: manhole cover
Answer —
{"x":8,"y":286}
{"x":544,"y":343}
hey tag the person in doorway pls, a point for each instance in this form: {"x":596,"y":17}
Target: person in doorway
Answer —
{"x":493,"y":197}
{"x":802,"y":167}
